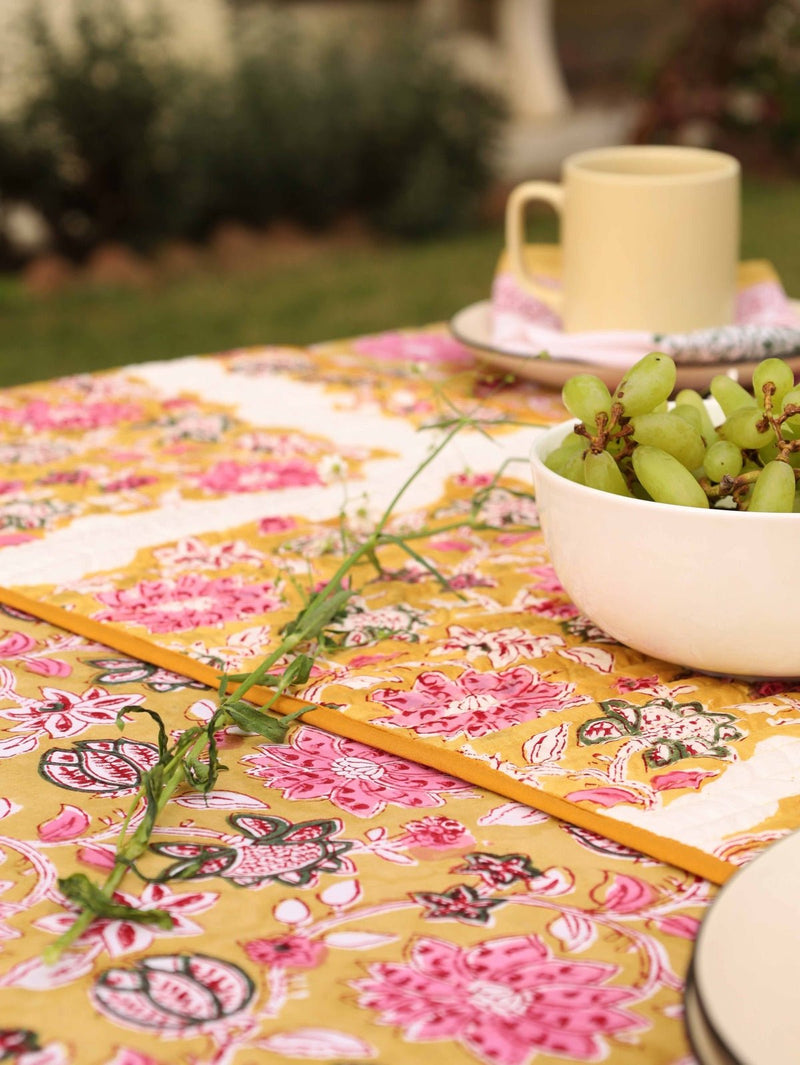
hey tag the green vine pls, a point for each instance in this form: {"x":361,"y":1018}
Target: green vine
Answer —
{"x":192,"y":761}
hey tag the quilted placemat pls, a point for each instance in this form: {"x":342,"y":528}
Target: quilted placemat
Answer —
{"x":498,"y":681}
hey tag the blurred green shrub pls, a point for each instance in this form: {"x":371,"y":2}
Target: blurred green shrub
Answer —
{"x":117,"y":141}
{"x":731,"y":80}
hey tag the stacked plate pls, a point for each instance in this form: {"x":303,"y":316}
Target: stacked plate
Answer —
{"x":743,"y":992}
{"x":472,"y":326}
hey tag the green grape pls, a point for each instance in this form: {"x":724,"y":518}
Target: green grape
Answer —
{"x":602,"y":472}
{"x":673,"y":435}
{"x":792,"y":399}
{"x":573,"y":469}
{"x":779,"y":373}
{"x":574,"y":442}
{"x":722,"y":459}
{"x":648,"y":383}
{"x":585,"y":396}
{"x":742,"y":428}
{"x":689,"y":414}
{"x":666,"y":480}
{"x":560,"y":456}
{"x":687,"y":397}
{"x":774,"y":489}
{"x":768,"y":452}
{"x":730,"y":395}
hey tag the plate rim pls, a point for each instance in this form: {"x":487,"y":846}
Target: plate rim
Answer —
{"x":484,"y":345}
{"x":789,"y":844}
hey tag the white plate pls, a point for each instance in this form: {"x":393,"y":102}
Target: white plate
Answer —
{"x":472,"y":326}
{"x":706,"y":1047}
{"x":746,"y":964}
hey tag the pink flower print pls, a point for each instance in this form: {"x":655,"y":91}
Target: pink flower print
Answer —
{"x":194,"y":553}
{"x":351,"y":775}
{"x":100,"y":766}
{"x":505,"y":1000}
{"x":460,"y":903}
{"x":41,"y":415}
{"x":65,"y":477}
{"x":173,"y":993}
{"x":474,"y":703}
{"x":502,"y":647}
{"x":231,"y":476}
{"x":286,"y":952}
{"x":118,"y":936}
{"x":414,"y":347}
{"x":60,"y":713}
{"x":269,"y":526}
{"x":544,"y":577}
{"x":473,"y":480}
{"x":10,"y":486}
{"x":190,"y":601}
{"x":14,"y":644}
{"x":502,"y":509}
{"x":128,"y":483}
{"x":634,"y":684}
{"x":436,"y":833}
{"x":552,"y":609}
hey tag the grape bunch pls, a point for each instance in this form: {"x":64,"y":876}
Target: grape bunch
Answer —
{"x":634,"y":443}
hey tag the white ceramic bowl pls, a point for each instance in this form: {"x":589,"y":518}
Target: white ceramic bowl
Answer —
{"x":712,"y":590}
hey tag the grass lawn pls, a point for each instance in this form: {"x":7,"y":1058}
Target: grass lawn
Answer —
{"x":336,"y":292}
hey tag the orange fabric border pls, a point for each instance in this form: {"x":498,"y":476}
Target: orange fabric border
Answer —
{"x":672,"y":852}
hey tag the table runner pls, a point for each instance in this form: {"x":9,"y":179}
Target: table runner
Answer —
{"x":394,"y":913}
{"x":181,"y":503}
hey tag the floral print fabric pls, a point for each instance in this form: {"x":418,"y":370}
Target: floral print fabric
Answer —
{"x":495,"y":680}
{"x":330,"y":902}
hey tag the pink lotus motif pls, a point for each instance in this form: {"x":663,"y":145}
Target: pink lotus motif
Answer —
{"x":231,"y":476}
{"x":100,"y":767}
{"x":190,"y":601}
{"x":474,"y":703}
{"x":505,"y":1000}
{"x":173,"y":993}
{"x":351,"y":775}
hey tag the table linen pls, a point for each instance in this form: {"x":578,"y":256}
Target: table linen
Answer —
{"x":490,"y":797}
{"x":388,"y":914}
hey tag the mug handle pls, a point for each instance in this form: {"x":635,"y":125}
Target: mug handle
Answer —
{"x":551,"y":193}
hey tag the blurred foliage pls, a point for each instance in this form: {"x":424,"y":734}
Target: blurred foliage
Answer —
{"x":337,"y":291}
{"x":730,"y":79}
{"x":117,"y":141}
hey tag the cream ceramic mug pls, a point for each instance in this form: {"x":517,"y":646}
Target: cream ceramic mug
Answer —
{"x":649,"y":238}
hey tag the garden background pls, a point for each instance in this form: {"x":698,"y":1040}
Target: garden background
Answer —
{"x":321,"y":185}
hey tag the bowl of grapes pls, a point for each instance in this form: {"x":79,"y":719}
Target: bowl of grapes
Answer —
{"x":673,"y":521}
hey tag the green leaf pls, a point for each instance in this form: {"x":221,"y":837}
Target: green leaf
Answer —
{"x":299,"y":670}
{"x":322,"y":609}
{"x":234,"y":678}
{"x":80,"y":889}
{"x":253,"y":720}
{"x":163,"y":740}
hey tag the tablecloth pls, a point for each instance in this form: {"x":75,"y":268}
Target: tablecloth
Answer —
{"x":490,"y":794}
